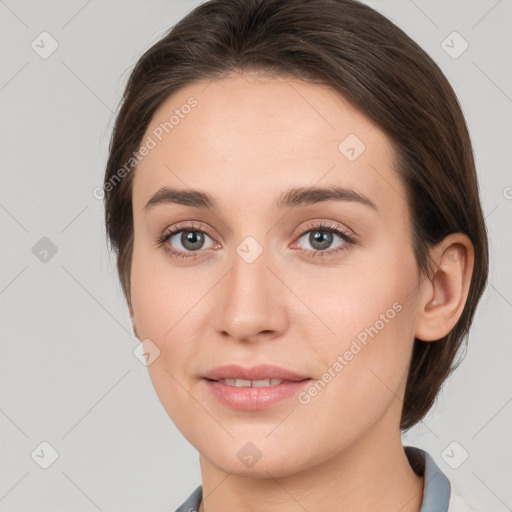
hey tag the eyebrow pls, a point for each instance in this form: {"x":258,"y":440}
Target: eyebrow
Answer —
{"x":301,"y":196}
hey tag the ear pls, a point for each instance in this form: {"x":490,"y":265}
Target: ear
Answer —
{"x":444,"y":293}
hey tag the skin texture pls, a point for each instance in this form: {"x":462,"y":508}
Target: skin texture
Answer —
{"x":249,"y":139}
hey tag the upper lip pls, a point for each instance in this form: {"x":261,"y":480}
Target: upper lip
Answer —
{"x":260,"y":372}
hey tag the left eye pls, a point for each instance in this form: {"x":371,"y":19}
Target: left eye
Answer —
{"x":322,"y":238}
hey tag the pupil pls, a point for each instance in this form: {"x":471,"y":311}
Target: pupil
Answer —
{"x":192,"y":239}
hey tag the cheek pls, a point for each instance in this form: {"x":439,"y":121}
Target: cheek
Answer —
{"x":365,"y":364}
{"x":169,"y":309}
{"x":368,"y":317}
{"x":162,"y":296}
{"x":376,"y":292}
{"x":160,"y":300}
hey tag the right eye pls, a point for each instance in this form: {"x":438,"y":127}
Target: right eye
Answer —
{"x":183,"y":239}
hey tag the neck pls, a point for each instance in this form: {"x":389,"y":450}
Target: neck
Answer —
{"x":372,"y":474}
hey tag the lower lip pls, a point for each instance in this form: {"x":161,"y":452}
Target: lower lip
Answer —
{"x":251,"y":399}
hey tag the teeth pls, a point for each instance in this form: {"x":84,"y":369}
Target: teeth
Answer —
{"x":265,"y":382}
{"x":243,"y":383}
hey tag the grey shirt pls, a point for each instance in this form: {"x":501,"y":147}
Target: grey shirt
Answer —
{"x":436,"y":490}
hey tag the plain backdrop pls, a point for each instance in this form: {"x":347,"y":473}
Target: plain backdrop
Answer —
{"x":69,"y":378}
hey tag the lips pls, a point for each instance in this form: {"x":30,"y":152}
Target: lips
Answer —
{"x":252,"y":389}
{"x":256,"y":373}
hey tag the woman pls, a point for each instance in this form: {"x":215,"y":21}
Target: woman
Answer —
{"x":292,"y":198}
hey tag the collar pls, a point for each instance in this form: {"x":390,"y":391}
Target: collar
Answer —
{"x":436,"y":489}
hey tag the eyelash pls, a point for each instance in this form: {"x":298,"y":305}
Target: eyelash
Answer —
{"x":348,"y":239}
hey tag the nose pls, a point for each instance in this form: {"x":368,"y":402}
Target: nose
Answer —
{"x":251,"y":302}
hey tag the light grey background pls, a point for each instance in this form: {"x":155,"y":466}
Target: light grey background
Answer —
{"x":67,"y":369}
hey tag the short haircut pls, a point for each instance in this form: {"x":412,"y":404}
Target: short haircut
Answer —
{"x":378,"y":69}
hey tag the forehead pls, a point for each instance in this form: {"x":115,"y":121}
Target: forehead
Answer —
{"x":245,"y":136}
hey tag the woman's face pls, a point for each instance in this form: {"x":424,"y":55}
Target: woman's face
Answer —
{"x":323,"y":285}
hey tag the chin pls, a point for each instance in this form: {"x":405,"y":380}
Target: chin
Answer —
{"x":247,"y":460}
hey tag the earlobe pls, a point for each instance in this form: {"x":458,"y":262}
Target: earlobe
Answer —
{"x":444,"y":293}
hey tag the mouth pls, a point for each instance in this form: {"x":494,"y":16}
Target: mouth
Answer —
{"x":256,"y":388}
{"x":254,"y":395}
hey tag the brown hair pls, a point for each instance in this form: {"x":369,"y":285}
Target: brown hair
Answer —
{"x":375,"y":66}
